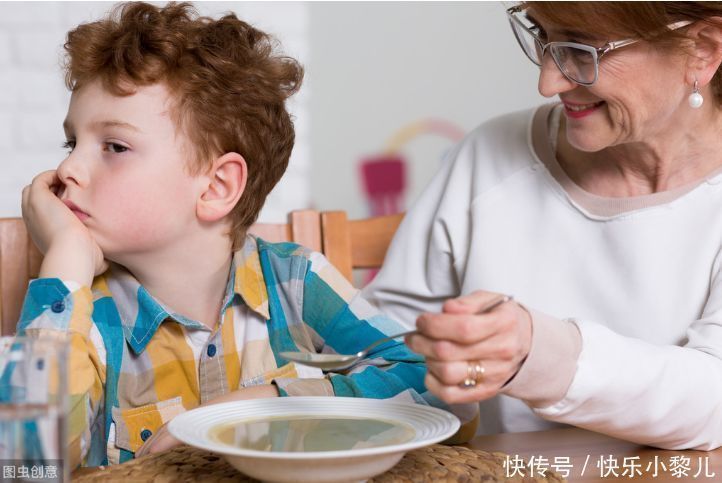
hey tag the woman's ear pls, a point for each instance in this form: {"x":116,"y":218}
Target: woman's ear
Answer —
{"x":706,"y":53}
{"x":226,"y":183}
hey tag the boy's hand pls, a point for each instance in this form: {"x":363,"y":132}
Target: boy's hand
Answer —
{"x":70,"y":251}
{"x":162,"y":439}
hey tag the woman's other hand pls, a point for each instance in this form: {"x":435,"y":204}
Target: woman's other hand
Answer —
{"x":460,"y":340}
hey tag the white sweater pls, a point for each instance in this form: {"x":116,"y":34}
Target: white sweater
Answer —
{"x":632,"y":341}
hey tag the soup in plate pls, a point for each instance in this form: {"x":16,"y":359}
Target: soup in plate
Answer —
{"x":311,"y":433}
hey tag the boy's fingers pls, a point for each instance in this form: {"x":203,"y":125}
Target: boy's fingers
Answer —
{"x":162,"y":443}
{"x":155,"y":444}
{"x":148,"y":444}
{"x":42,"y":183}
{"x":46,"y":178}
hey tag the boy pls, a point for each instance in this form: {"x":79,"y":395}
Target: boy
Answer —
{"x":176,"y":132}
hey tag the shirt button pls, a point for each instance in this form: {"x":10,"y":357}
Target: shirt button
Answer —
{"x":58,"y":306}
{"x":211,"y":351}
{"x":145,"y":434}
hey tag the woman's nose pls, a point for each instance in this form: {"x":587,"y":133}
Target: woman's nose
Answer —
{"x":72,"y":170}
{"x":551,"y":79}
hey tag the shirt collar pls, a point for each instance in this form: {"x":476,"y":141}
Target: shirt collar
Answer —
{"x":141,"y":314}
{"x":249,"y":282}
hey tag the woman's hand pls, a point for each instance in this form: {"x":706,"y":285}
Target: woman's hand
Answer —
{"x":162,"y":439}
{"x":456,"y":339}
{"x":70,"y":250}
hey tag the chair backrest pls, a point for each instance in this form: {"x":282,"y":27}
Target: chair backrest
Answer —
{"x":19,"y":262}
{"x":350,"y":244}
{"x":20,"y":259}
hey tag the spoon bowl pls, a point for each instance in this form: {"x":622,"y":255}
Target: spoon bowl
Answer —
{"x":336,"y":361}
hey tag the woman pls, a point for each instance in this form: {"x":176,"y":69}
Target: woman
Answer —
{"x":602,"y":215}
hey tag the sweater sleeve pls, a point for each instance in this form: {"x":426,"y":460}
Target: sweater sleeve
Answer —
{"x":546,"y":374}
{"x":663,"y":396}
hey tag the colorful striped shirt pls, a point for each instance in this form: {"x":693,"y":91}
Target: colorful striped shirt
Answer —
{"x":135,"y":363}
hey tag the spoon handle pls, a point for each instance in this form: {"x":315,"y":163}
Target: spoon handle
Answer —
{"x":501,"y":299}
{"x":385,"y":339}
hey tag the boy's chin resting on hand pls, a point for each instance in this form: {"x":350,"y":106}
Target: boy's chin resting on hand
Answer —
{"x":162,"y":440}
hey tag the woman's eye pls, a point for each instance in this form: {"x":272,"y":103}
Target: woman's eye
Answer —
{"x":69,"y":146}
{"x":539,"y":32}
{"x":115,"y":148}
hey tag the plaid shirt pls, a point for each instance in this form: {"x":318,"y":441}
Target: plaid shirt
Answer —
{"x":135,"y":364}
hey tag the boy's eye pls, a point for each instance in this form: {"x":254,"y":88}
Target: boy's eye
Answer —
{"x":115,"y":148}
{"x":69,"y":145}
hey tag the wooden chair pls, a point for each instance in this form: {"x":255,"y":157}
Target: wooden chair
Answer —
{"x":20,"y":259}
{"x":19,"y":262}
{"x":351,"y":244}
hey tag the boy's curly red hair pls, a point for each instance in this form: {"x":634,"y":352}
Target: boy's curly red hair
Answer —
{"x":228,"y":82}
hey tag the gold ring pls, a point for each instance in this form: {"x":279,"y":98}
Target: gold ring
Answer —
{"x":474,"y":374}
{"x":479,"y":371}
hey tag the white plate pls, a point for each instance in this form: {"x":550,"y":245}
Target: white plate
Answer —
{"x":429,"y":424}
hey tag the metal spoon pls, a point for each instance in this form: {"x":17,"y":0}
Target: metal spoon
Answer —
{"x":343,"y":361}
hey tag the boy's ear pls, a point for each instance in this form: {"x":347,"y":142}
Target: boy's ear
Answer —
{"x":226,"y":183}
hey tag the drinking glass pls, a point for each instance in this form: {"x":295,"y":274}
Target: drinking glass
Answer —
{"x":33,"y":406}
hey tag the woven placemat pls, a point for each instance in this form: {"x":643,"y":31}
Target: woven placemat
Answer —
{"x":434,"y":463}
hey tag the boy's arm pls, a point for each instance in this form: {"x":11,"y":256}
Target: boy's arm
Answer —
{"x":56,"y":309}
{"x":346,"y":323}
{"x":60,"y":301}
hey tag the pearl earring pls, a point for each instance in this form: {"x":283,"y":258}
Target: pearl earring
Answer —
{"x":695,"y":99}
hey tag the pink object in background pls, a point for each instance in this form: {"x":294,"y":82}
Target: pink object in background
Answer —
{"x":384,"y":183}
{"x":383,"y":177}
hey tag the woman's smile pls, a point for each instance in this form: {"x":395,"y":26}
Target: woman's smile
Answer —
{"x":577,"y":111}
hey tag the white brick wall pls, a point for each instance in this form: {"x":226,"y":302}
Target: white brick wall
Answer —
{"x":33,"y":99}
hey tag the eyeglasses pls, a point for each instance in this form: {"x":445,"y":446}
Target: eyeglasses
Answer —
{"x":578,"y":62}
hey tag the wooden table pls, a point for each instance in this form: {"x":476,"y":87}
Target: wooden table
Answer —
{"x":584,"y":456}
{"x":582,"y":448}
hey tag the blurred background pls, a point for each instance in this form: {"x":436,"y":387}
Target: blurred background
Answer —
{"x":389,"y":88}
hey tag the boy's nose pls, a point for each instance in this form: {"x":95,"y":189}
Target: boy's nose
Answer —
{"x":551,"y":79}
{"x":72,"y":170}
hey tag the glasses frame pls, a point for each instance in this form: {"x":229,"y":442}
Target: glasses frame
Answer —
{"x":596,"y":52}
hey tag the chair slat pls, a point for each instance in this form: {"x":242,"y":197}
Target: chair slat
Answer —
{"x":370,"y":239}
{"x":16,"y":253}
{"x":306,"y":228}
{"x":337,"y":241}
{"x":351,"y":244}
